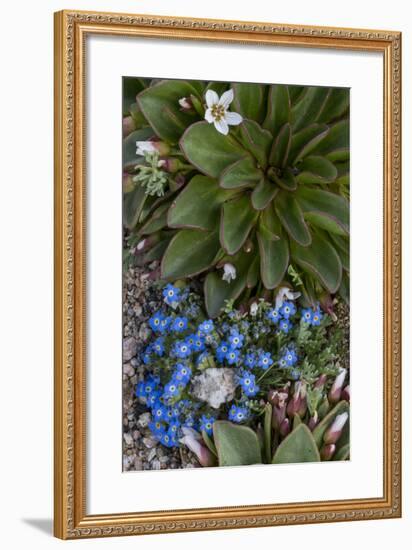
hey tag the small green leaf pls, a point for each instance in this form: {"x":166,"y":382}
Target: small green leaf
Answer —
{"x":308,"y":108}
{"x":291,"y":216}
{"x":256,"y":140}
{"x":321,"y":260}
{"x":324,"y":209}
{"x":158,"y":220}
{"x":336,"y":104}
{"x":344,"y":289}
{"x":305,"y":141}
{"x":237,"y":220}
{"x":268,"y":433}
{"x":131,"y":87}
{"x":319,"y":431}
{"x":157,"y":251}
{"x":270,"y":224}
{"x":343,"y":453}
{"x":242,"y":173}
{"x":278,"y":108}
{"x":263,"y":194}
{"x":341,"y":244}
{"x":253,"y":273}
{"x":314,"y":169}
{"x":298,"y":446}
{"x":286,"y":179}
{"x":198,"y":205}
{"x":208,"y":150}
{"x":160,"y":106}
{"x":249,"y":100}
{"x":190,"y":252}
{"x":236,"y":445}
{"x":133,"y":203}
{"x":274,"y":259}
{"x":209,"y":443}
{"x":280,"y":148}
{"x":335,"y":146}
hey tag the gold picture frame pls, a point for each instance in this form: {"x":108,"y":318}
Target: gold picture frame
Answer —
{"x":71,"y":520}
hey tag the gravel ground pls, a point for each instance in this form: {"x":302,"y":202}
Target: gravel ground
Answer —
{"x":141,"y":451}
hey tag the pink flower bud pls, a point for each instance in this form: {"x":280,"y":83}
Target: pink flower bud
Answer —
{"x":128,"y":126}
{"x":327,"y":303}
{"x":278,"y":399}
{"x":333,"y":433}
{"x":313,"y":421}
{"x":346,"y":393}
{"x":194,"y":442}
{"x":321,"y":381}
{"x":169,"y":165}
{"x":185,"y":104}
{"x":336,"y":389}
{"x":327,"y":452}
{"x":298,"y":403}
{"x":285,"y":427}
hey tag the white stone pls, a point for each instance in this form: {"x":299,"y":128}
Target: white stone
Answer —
{"x":215,"y":386}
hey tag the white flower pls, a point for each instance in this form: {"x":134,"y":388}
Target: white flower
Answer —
{"x":229,"y":273}
{"x":194,"y":442}
{"x":185,"y":103}
{"x":217,"y":111}
{"x":254,"y":308}
{"x":143,"y":147}
{"x":285,"y":293}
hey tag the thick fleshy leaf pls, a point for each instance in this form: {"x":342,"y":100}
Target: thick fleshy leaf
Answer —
{"x":280,"y":148}
{"x":238,"y":218}
{"x":335,"y":146}
{"x":198,"y":204}
{"x":305,"y":142}
{"x":253,"y":273}
{"x":319,"y":431}
{"x":269,"y":223}
{"x":130,"y":159}
{"x":342,"y":453}
{"x":256,"y":140}
{"x":285,"y":179}
{"x":274,"y":259}
{"x":157,"y":251}
{"x":218,"y":87}
{"x":298,"y":446}
{"x":295,"y":93}
{"x":344,"y":289}
{"x":308,"y":108}
{"x":218,"y":291}
{"x":131,"y":87}
{"x":249,"y":100}
{"x":160,"y":106}
{"x":158,"y":220}
{"x":336,"y":104}
{"x":278,"y":108}
{"x":341,"y":244}
{"x":208,"y":150}
{"x":324,"y":209}
{"x":315,"y":169}
{"x":236,"y":445}
{"x":343,"y":173}
{"x":132,"y":205}
{"x":190,"y":252}
{"x":291,"y":216}
{"x":263,"y":194}
{"x":267,"y":423}
{"x":321,"y":260}
{"x":242,"y":173}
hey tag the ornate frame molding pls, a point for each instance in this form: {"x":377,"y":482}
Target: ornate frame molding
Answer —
{"x":71,"y":521}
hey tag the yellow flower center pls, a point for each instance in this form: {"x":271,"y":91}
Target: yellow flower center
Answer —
{"x":218,"y":112}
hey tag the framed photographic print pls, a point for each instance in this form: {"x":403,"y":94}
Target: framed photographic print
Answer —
{"x":227,"y":274}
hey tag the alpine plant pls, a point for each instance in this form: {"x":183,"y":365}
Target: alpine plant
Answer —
{"x":243,"y":185}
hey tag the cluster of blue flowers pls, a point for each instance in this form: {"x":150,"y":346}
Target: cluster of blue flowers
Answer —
{"x":182,"y":347}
